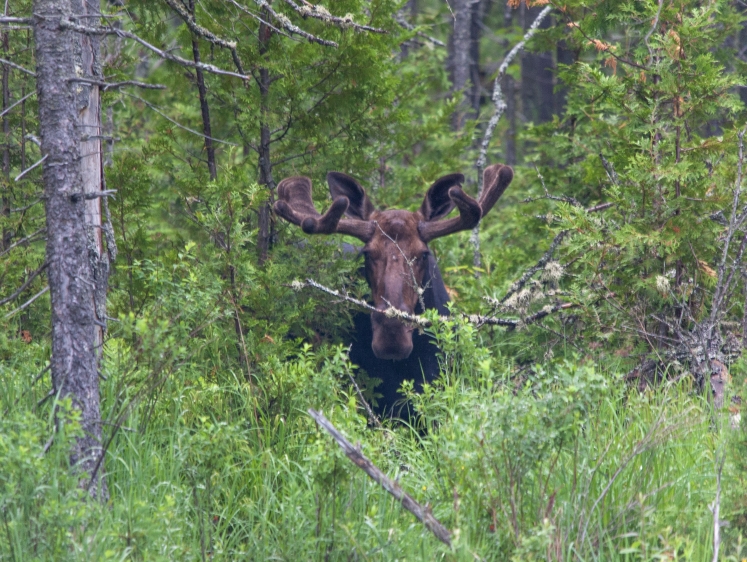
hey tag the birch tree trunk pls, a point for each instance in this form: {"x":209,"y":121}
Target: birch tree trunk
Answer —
{"x":70,"y":127}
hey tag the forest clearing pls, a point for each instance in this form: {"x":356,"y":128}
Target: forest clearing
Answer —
{"x":373,"y":280}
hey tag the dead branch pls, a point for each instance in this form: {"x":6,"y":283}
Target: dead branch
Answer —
{"x":25,"y":240}
{"x":422,"y":513}
{"x":27,"y":170}
{"x":27,"y":303}
{"x":23,"y":287}
{"x":206,"y":34}
{"x":286,"y":24}
{"x":21,"y":21}
{"x":541,"y":263}
{"x":67,"y":24}
{"x":23,"y":99}
{"x":500,"y":107}
{"x":114,"y":85}
{"x":309,"y":10}
{"x":409,"y":27}
{"x":18,"y":67}
{"x":170,"y":120}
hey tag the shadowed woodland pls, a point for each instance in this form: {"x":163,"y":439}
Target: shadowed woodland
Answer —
{"x":177,"y":380}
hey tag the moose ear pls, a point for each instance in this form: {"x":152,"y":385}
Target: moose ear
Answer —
{"x":437,"y":203}
{"x":342,"y":185}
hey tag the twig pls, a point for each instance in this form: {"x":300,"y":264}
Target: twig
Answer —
{"x":189,"y":19}
{"x":23,"y":287}
{"x":319,"y":12}
{"x":422,"y":513}
{"x":541,"y":263}
{"x":67,"y":24}
{"x":27,"y":170}
{"x":22,"y":241}
{"x":409,"y":27}
{"x":18,"y":67}
{"x":112,"y":85}
{"x":170,"y":120}
{"x":23,"y":99}
{"x":611,"y":173}
{"x":27,"y":303}
{"x":500,"y":107}
{"x":102,"y":193}
{"x":653,"y":28}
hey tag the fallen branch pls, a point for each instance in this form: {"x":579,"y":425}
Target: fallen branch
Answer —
{"x":422,"y":513}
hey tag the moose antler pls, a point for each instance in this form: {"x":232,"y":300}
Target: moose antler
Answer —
{"x":496,"y":179}
{"x":295,"y":206}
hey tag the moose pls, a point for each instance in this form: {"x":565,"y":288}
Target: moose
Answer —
{"x":399,"y":268}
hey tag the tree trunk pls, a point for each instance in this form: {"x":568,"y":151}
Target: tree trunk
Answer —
{"x":460,"y":58}
{"x":7,"y":234}
{"x":72,"y":169}
{"x":537,"y":80}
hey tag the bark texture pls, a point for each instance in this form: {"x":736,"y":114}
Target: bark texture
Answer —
{"x":69,"y":111}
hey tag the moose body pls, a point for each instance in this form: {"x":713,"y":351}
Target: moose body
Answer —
{"x":399,"y":267}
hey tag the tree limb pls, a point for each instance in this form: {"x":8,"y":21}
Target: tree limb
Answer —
{"x":309,"y":10}
{"x":422,"y":513}
{"x":23,"y":287}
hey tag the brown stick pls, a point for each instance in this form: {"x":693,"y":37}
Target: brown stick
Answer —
{"x":423,"y":513}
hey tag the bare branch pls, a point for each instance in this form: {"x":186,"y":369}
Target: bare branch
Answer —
{"x":23,"y":287}
{"x":25,"y":240}
{"x":17,"y":67}
{"x":23,"y":99}
{"x":22,"y":21}
{"x":422,"y":513}
{"x":309,"y":10}
{"x":27,"y":303}
{"x":206,"y":34}
{"x":27,"y":170}
{"x":286,"y":24}
{"x":500,"y":107}
{"x":541,"y":263}
{"x":409,"y":27}
{"x":67,"y":24}
{"x":170,"y":120}
{"x":114,"y":85}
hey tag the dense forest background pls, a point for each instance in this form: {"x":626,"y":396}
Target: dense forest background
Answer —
{"x":589,"y":406}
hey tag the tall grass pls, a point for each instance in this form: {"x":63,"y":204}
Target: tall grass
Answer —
{"x":560,"y":463}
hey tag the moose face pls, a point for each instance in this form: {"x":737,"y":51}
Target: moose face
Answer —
{"x":396,"y":241}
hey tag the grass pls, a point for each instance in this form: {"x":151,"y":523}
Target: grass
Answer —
{"x":568,"y":465}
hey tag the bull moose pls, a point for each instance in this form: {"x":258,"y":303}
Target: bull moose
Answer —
{"x":399,"y":267}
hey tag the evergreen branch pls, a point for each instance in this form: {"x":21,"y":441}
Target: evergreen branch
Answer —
{"x":309,"y":10}
{"x":67,"y":24}
{"x":422,"y":513}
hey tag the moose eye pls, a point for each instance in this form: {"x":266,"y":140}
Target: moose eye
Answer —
{"x":425,"y":255}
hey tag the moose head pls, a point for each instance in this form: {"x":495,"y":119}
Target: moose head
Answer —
{"x":396,"y":241}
